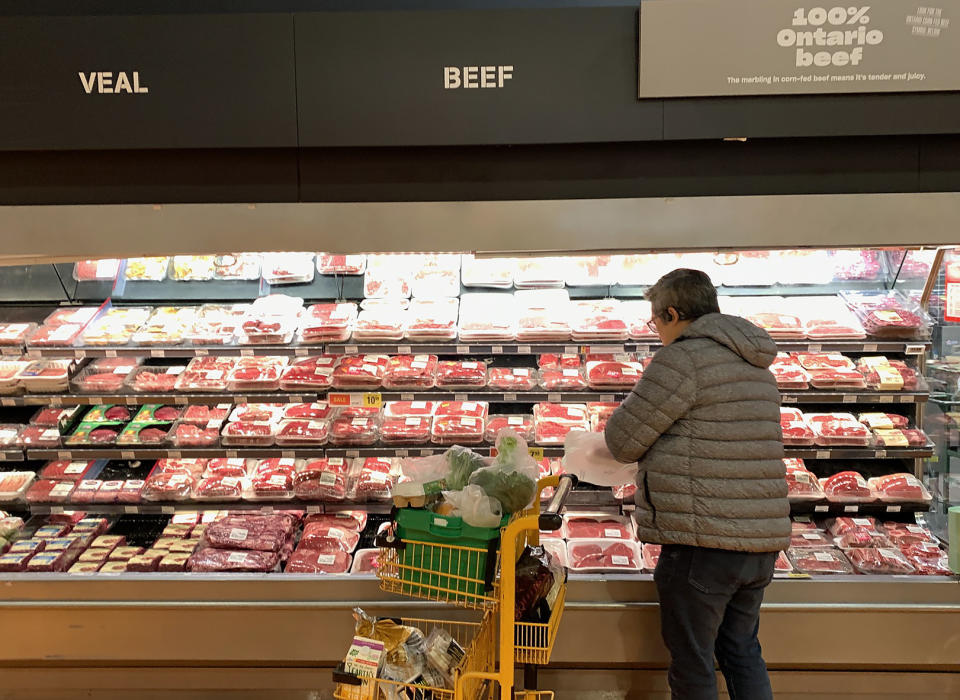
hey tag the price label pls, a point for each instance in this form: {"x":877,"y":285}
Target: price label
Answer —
{"x":535,"y":452}
{"x":129,"y":510}
{"x":79,"y":354}
{"x":158,"y":353}
{"x":869,"y":347}
{"x":849,"y":398}
{"x":406,"y":397}
{"x":127,"y":454}
{"x":460,"y":397}
{"x":463,"y":350}
{"x":426,"y":453}
{"x":246,"y":352}
{"x":404,"y":349}
{"x":232,"y":454}
{"x":403,"y":453}
{"x":570,"y":349}
{"x":914,"y":349}
{"x":821,"y":509}
{"x":823,"y":454}
{"x":851,"y":509}
{"x":130,"y":400}
{"x":815,"y":348}
{"x":8,"y":402}
{"x":109,"y":353}
{"x":880,"y":454}
{"x":295,"y":398}
{"x":372,"y":400}
{"x":509,"y":397}
{"x":313,"y":509}
{"x":523,"y":350}
{"x":353,"y":453}
{"x":61,"y":454}
{"x":788,"y":399}
{"x":884,"y":398}
{"x":56,"y":401}
{"x":909,"y":398}
{"x":176,"y":454}
{"x":201,"y":352}
{"x":287,"y":454}
{"x":554,"y":398}
{"x":893,"y":509}
{"x":300,"y":352}
{"x":56,"y":509}
{"x":167,"y":510}
{"x":180,"y":400}
{"x":496,"y":349}
{"x":350,"y":349}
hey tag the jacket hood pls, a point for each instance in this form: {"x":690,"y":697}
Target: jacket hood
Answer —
{"x":750,"y":342}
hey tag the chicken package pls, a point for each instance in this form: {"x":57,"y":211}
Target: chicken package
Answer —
{"x":324,"y":537}
{"x":333,"y":264}
{"x":362,"y":430}
{"x":256,"y":374}
{"x":416,"y":371}
{"x":310,"y":561}
{"x":210,"y":559}
{"x":839,"y":429}
{"x":604,"y":556}
{"x":456,"y":430}
{"x":249,"y":434}
{"x":522,"y":425}
{"x":412,"y":430}
{"x":802,"y":484}
{"x":409,"y":409}
{"x":458,"y":409}
{"x":845,"y":524}
{"x":302,"y":432}
{"x":613,"y":374}
{"x":216,"y":324}
{"x":879,"y":560}
{"x":847,"y":487}
{"x":360,"y":371}
{"x":325,"y":479}
{"x":428,"y":320}
{"x":596,"y":526}
{"x":895,"y":488}
{"x":860,"y":538}
{"x":328,"y":323}
{"x":796,"y":431}
{"x":311,"y":373}
{"x":457,"y":374}
{"x":819,"y":561}
{"x":208,"y":374}
{"x":512,"y":378}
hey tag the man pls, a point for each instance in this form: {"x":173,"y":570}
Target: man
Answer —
{"x":704,"y":424}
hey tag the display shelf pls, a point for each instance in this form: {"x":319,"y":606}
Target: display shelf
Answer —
{"x":812,"y":396}
{"x":816,"y":452}
{"x":450,"y":348}
{"x":11,"y":455}
{"x":168,"y":508}
{"x":822,"y":508}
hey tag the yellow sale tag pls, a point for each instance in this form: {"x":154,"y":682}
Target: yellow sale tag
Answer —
{"x":372,"y":400}
{"x":535,"y":452}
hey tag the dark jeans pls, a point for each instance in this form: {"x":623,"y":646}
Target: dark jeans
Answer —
{"x":710,"y":606}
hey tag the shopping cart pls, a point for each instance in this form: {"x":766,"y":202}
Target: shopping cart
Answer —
{"x":482,"y":578}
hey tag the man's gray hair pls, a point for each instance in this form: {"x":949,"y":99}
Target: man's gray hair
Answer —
{"x":690,"y":292}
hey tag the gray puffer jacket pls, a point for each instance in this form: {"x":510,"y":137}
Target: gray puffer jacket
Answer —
{"x":704,"y":424}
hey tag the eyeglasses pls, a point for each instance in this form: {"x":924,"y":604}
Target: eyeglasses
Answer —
{"x":652,"y":326}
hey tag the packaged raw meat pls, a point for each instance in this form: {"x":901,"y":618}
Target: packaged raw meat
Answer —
{"x":172,"y":561}
{"x":14,"y":561}
{"x":202,"y":415}
{"x":328,"y":323}
{"x":312,"y":373}
{"x":165,"y":326}
{"x":15,"y":334}
{"x":843,"y":525}
{"x":152,"y":269}
{"x":802,"y":484}
{"x":13,"y":485}
{"x":153,"y":379}
{"x":30,"y":546}
{"x":836,"y":379}
{"x":319,"y":411}
{"x":593,"y":270}
{"x":354,"y":431}
{"x":360,"y":372}
{"x":824,"y":361}
{"x":248,"y":433}
{"x":389,"y":276}
{"x":256,"y":374}
{"x":48,"y":561}
{"x":562,"y":379}
{"x":323,"y":479}
{"x":44,"y":376}
{"x":225,"y":560}
{"x":168,"y":486}
{"x":487,"y":318}
{"x":413,"y":430}
{"x":55,"y":417}
{"x":418,"y":371}
{"x":326,"y":538}
{"x":86,"y":491}
{"x":543,"y":315}
{"x":555,"y":361}
{"x":456,"y":374}
{"x":429,"y":320}
{"x":520,"y":424}
{"x":144,"y":434}
{"x":847,"y":487}
{"x":100,"y":382}
{"x":833,"y":429}
{"x":381,"y":322}
{"x":879,"y":560}
{"x":272,"y":319}
{"x":9,"y":434}
{"x":148,"y":561}
{"x":285,"y":465}
{"x":237,"y":266}
{"x":905,"y":535}
{"x":197,"y":268}
{"x":794,"y":428}
{"x":309,"y":561}
{"x":791,"y":376}
{"x":810,"y":538}
{"x":116,"y":326}
{"x":330,"y":264}
{"x":207,"y":374}
{"x":496,"y":273}
{"x":130,"y":491}
{"x":108,"y":413}
{"x":302,"y":432}
{"x":365,"y":561}
{"x":270,"y":486}
{"x":604,"y":556}
{"x":96,"y":270}
{"x":66,"y":469}
{"x":288,"y":268}
{"x":457,"y":430}
{"x":888,"y":314}
{"x":598,"y":320}
{"x":893,"y":488}
{"x":861,"y":537}
{"x":257,"y":412}
{"x":883,"y":421}
{"x":436,"y":275}
{"x":10,"y":371}
{"x":782,"y":565}
{"x":587,"y":526}
{"x":938,"y":566}
{"x":350,"y":519}
{"x":261,"y":532}
{"x":470,"y":409}
{"x":613,"y":375}
{"x":219,"y":488}
{"x":405,"y":409}
{"x":819,"y":561}
{"x":38,"y":436}
{"x":374,"y":479}
{"x":780,"y":326}
{"x":95,"y":434}
{"x":49,"y":491}
{"x":552,"y":422}
{"x":184,"y":434}
{"x":216,"y":324}
{"x":191,"y":467}
{"x":157,"y":413}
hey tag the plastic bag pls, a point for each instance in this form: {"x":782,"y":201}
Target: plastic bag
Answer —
{"x":405,"y":647}
{"x":587,"y":457}
{"x":512,"y":478}
{"x":462,"y":463}
{"x":444,"y":654}
{"x":538,"y":575}
{"x":475,"y":507}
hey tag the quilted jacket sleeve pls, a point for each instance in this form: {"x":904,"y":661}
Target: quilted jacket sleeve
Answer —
{"x":665,"y":392}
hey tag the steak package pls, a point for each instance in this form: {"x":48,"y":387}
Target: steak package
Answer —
{"x":833,"y":429}
{"x":589,"y":526}
{"x":347,"y":430}
{"x":604,"y":556}
{"x":847,"y":487}
{"x":323,"y":537}
{"x":326,"y":479}
{"x":613,"y":374}
{"x":802,"y":484}
{"x":796,"y":431}
{"x":879,"y":560}
{"x":412,"y":430}
{"x":893,"y":488}
{"x":819,"y":561}
{"x":226,"y":560}
{"x":454,"y":430}
{"x":266,"y":533}
{"x":522,"y":425}
{"x":328,"y":323}
{"x":311,"y":373}
{"x":512,"y":378}
{"x":312,"y":561}
{"x":416,"y":371}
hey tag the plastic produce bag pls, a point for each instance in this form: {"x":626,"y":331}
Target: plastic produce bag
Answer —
{"x":462,"y":463}
{"x":587,"y":457}
{"x":512,"y":478}
{"x":406,"y":648}
{"x":475,"y":507}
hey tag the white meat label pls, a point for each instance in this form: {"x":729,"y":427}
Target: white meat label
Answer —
{"x":175,"y":370}
{"x":326,"y":559}
{"x":619,"y":560}
{"x":822,"y":556}
{"x":418,"y":405}
{"x":571,"y":373}
{"x":515,"y":420}
{"x":336,"y":533}
{"x":915,"y":529}
{"x":61,"y":490}
{"x":278,"y":480}
{"x":123,"y":370}
{"x":359,"y":422}
{"x":611,"y":532}
{"x":75,"y":468}
{"x":413,"y":421}
{"x":237,"y":558}
{"x":328,"y":478}
{"x":238,"y":534}
{"x":469,"y":422}
{"x":521,"y":372}
{"x":811,"y":536}
{"x":862,"y":522}
{"x":469,"y":365}
{"x":335,"y":461}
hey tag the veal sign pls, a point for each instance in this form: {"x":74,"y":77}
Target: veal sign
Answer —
{"x":705,"y":48}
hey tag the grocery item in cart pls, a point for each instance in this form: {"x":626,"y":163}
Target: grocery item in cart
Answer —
{"x":902,"y":487}
{"x":328,"y":323}
{"x":360,"y":371}
{"x":819,"y":561}
{"x":152,"y":269}
{"x":416,"y":371}
{"x":879,"y":560}
{"x":332,"y":264}
{"x":604,"y":556}
{"x":461,"y":374}
{"x":838,"y":429}
{"x":311,"y":373}
{"x":847,"y":487}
